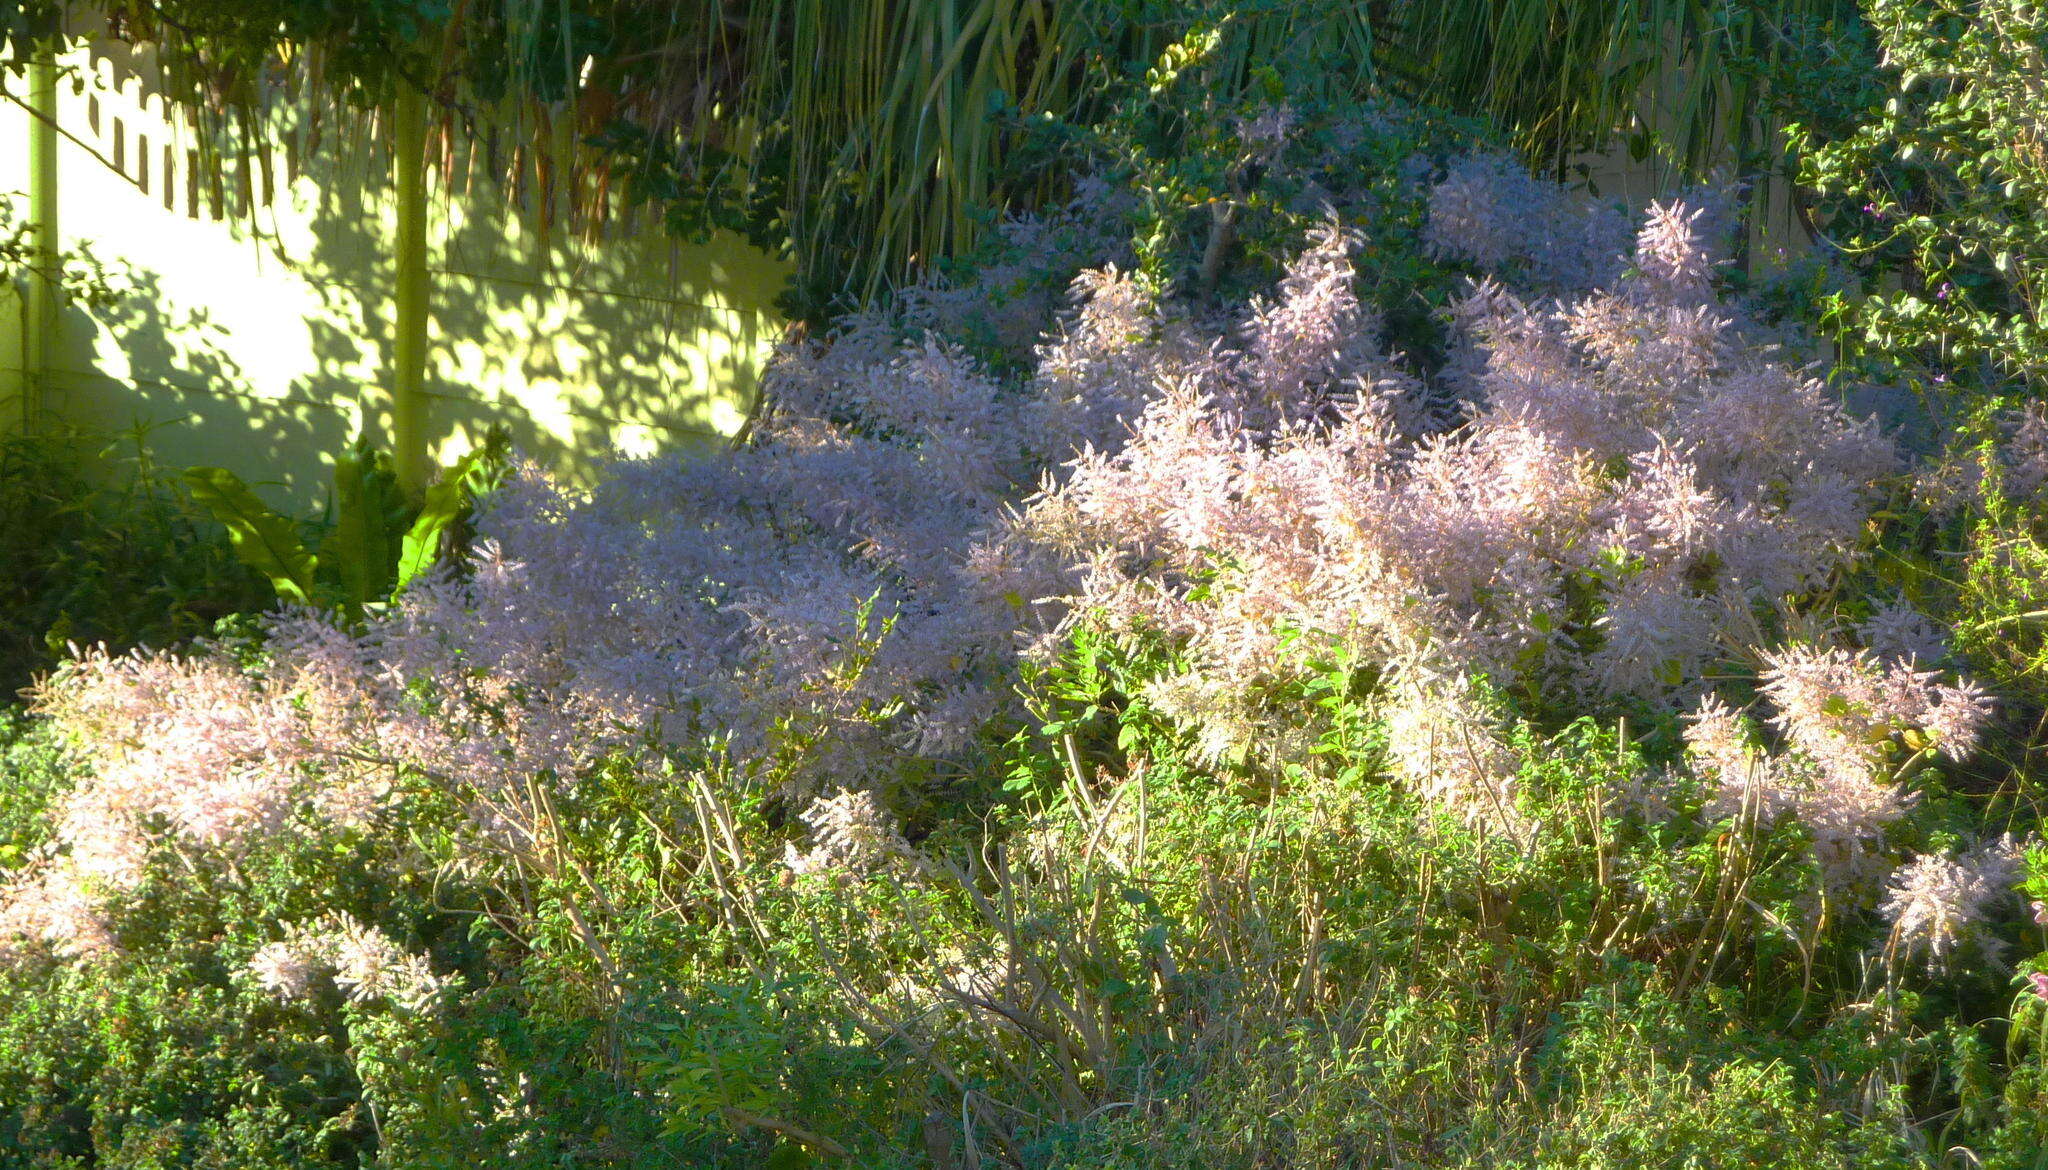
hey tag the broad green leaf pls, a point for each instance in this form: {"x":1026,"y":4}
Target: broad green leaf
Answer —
{"x":444,"y":502}
{"x":264,"y":540}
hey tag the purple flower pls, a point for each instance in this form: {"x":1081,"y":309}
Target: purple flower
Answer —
{"x":2040,"y":981}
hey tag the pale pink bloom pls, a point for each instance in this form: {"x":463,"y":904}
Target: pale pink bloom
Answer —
{"x":1937,"y":902}
{"x":1957,"y":718}
{"x":1447,"y":741}
{"x":1658,"y":635}
{"x":364,"y":962}
{"x":1491,"y":211}
{"x":1673,"y":256}
{"x":1897,"y":630}
{"x":1839,"y":711}
{"x":283,"y":969}
{"x":48,"y":906}
{"x":1664,"y":512}
{"x":1845,"y":812}
{"x":850,"y":833}
{"x":1311,"y":341}
{"x":1841,"y":707}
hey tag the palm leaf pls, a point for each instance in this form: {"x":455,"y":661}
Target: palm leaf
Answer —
{"x":262,"y":539}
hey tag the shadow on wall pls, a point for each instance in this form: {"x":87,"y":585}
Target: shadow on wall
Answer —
{"x":256,"y":329}
{"x":155,"y":366}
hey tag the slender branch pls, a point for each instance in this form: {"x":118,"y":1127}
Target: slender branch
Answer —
{"x":795,"y":1133}
{"x":74,"y":139}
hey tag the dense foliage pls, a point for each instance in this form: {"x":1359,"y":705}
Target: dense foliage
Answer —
{"x":123,"y":559}
{"x":870,"y":138}
{"x":1327,"y":649}
{"x":1931,"y":193}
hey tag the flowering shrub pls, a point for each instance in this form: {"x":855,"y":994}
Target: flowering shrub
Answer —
{"x":1627,"y":490}
{"x":1389,"y":726}
{"x":1634,"y":493}
{"x":1937,"y":901}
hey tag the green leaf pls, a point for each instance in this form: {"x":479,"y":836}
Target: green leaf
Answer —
{"x":445,"y":501}
{"x":359,"y":549}
{"x":262,"y":539}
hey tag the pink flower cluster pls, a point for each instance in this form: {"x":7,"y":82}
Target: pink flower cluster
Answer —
{"x":1841,"y":707}
{"x":1842,"y":715}
{"x":1635,"y":478}
{"x":364,"y":962}
{"x":192,"y":748}
{"x":809,"y":603}
{"x":850,"y":833}
{"x":1939,"y":901}
{"x":1490,"y":211}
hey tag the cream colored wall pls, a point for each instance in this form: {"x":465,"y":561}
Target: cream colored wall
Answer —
{"x":261,"y":342}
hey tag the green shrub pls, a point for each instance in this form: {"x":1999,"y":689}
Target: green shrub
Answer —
{"x":122,"y":559}
{"x":1932,"y":194}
